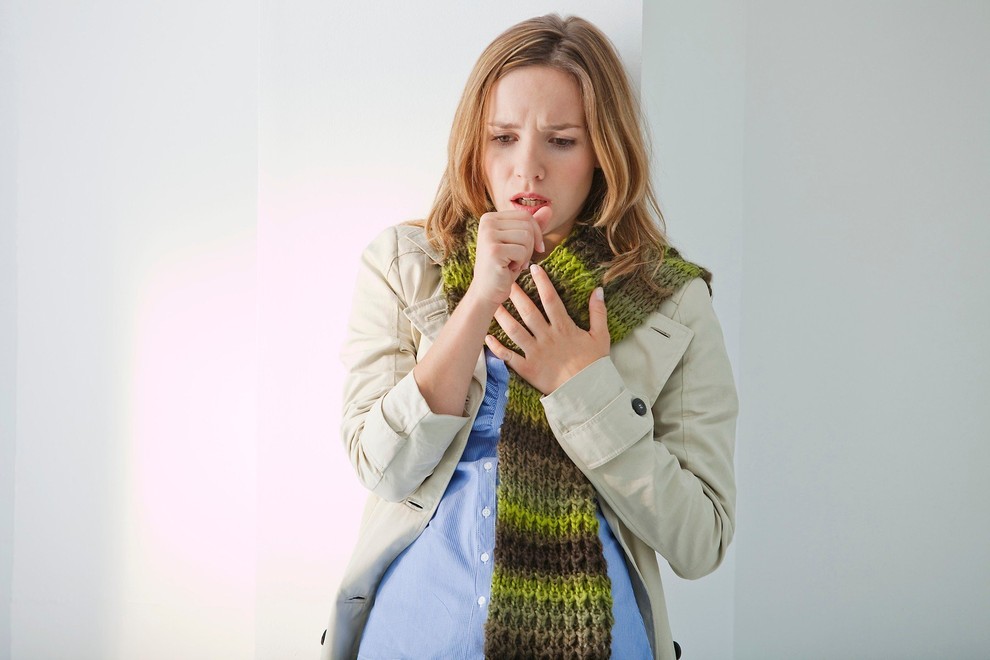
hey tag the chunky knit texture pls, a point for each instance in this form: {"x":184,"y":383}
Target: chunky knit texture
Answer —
{"x":551,"y":596}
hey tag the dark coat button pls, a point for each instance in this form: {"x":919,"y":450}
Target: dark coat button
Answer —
{"x":639,"y":406}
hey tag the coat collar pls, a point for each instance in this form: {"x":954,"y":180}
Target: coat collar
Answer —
{"x":419,"y":239}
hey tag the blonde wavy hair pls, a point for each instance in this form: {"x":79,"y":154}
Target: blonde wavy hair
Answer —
{"x":621,"y":201}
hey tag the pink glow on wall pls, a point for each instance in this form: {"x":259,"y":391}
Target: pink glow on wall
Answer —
{"x":311,"y":231}
{"x":189,"y":546}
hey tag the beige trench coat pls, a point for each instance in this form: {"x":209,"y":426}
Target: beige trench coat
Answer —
{"x":665,"y":477}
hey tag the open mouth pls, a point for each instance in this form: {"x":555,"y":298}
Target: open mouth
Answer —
{"x":528,"y":203}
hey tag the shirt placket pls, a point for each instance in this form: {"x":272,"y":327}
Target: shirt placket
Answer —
{"x":484,"y":555}
{"x":487,"y":485}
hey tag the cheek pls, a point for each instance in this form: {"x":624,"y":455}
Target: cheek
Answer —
{"x":488,"y":182}
{"x":583,"y":171}
{"x":583,"y":174}
{"x":490,"y":170}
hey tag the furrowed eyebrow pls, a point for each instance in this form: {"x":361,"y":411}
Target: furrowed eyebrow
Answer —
{"x":551,"y":127}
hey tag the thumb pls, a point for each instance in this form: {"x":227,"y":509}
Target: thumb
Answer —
{"x":598,"y":314}
{"x":540,"y":219}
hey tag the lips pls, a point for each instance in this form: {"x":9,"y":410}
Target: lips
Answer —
{"x":529,"y":202}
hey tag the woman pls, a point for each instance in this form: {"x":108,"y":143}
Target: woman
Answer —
{"x":538,"y":395}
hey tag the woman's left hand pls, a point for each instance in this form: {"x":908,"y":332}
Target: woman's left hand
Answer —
{"x":556,"y":349}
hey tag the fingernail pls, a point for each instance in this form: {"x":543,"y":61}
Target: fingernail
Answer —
{"x":600,"y":294}
{"x":533,"y":268}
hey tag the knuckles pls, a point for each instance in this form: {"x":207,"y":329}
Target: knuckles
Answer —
{"x":504,"y":215}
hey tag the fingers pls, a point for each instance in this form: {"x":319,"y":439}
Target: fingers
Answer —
{"x":502,"y":353}
{"x":528,"y":311}
{"x":513,"y":328}
{"x":512,"y":234}
{"x":598,"y":316}
{"x":552,"y":303}
{"x":517,"y":227}
{"x":515,"y":257}
{"x":507,"y":238}
{"x":502,"y":253}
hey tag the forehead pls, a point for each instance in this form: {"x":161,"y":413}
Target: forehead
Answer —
{"x":536,"y":92}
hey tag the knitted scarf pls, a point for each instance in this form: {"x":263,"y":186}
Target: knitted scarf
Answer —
{"x":551,"y":596}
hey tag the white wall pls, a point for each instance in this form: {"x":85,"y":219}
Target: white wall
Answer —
{"x":831,"y":163}
{"x":8,"y":317}
{"x":134,"y":193}
{"x":865,"y":375}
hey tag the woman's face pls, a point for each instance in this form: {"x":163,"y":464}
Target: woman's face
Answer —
{"x":539,"y":151}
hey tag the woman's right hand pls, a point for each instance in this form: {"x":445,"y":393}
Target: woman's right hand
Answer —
{"x":506,"y":240}
{"x":506,"y":243}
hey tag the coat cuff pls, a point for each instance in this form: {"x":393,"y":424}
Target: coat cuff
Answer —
{"x":405,"y":422}
{"x":595,"y":416}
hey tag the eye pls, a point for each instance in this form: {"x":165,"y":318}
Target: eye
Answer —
{"x":502,"y":139}
{"x":562,"y":143}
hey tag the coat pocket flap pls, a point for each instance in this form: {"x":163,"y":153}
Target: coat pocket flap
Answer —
{"x":650,"y":354}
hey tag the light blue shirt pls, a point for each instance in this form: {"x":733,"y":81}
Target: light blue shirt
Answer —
{"x":433,"y":600}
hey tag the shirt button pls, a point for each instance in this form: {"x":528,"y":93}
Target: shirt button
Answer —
{"x":485,"y":557}
{"x":481,"y":601}
{"x":639,"y":406}
{"x":486,"y":512}
{"x":488,"y":466}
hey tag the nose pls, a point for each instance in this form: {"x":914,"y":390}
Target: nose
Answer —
{"x":529,"y":162}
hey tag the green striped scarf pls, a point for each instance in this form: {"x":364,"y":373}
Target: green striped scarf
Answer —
{"x":551,"y":596}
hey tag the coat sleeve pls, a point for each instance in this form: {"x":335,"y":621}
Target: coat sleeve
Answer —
{"x":393,"y":439}
{"x":666,"y":469}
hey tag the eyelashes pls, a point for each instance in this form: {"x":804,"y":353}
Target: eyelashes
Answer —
{"x":556,"y":142}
